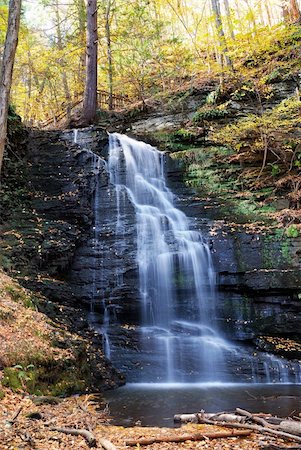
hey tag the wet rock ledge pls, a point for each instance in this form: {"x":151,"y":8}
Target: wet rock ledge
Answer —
{"x":49,"y":243}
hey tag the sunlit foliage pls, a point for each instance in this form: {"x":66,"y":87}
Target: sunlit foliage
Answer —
{"x":154,"y":46}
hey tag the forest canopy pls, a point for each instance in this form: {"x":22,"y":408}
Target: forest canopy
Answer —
{"x":145,"y":47}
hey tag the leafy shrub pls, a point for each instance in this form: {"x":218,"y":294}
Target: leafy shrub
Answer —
{"x":14,"y":121}
{"x":292,"y":231}
{"x":275,"y":169}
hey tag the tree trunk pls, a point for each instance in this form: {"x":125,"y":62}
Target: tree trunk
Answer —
{"x":239,"y":16}
{"x":295,"y":11}
{"x":81,"y":17}
{"x":60,"y":46}
{"x":252,"y":19}
{"x":220,"y":31}
{"x":229,"y":19}
{"x":269,"y":17}
{"x":109,"y":53}
{"x":8,"y":60}
{"x":90,"y":95}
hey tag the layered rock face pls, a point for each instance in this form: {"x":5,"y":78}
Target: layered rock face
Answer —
{"x":258,"y":273}
{"x":42,"y":236}
{"x":258,"y":276}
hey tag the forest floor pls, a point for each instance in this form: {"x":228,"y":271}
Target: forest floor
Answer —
{"x":31,"y":429}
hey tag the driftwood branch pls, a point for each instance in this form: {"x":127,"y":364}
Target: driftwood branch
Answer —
{"x":194,"y":418}
{"x":188,"y":437}
{"x":90,"y":438}
{"x":107,"y":445}
{"x":258,"y":428}
{"x":14,"y":417}
{"x":288,"y":426}
{"x":254,"y":418}
{"x":287,"y":429}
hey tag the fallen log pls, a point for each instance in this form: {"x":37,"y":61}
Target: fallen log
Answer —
{"x":288,"y":426}
{"x":277,"y":447}
{"x":188,"y":437}
{"x":186,"y":418}
{"x":258,"y":428}
{"x":87,"y":435}
{"x":194,"y":418}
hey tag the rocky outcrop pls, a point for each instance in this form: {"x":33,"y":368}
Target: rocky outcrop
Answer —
{"x":72,"y":250}
{"x":41,"y":236}
{"x":257,"y":262}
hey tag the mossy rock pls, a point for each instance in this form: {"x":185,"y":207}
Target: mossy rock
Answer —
{"x":46,"y":400}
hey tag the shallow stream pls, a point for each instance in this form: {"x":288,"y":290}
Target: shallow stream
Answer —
{"x":156,"y":404}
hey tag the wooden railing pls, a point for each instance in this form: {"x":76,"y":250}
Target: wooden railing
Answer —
{"x":118,"y":101}
{"x":103,"y":100}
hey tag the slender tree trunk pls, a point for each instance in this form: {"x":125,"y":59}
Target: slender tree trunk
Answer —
{"x":81,"y":13}
{"x":90,"y":95}
{"x":268,"y":11}
{"x":252,"y":19}
{"x":109,"y":53}
{"x":295,"y":11}
{"x":220,"y":31}
{"x":39,"y":84}
{"x":60,"y":46}
{"x":239,"y":15}
{"x":229,"y":19}
{"x":260,"y":13}
{"x":291,"y":11}
{"x":8,"y":59}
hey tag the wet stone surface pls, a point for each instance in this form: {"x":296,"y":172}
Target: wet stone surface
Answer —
{"x":258,"y":277}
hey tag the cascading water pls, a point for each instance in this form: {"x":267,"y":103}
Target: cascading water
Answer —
{"x":97,"y":245}
{"x":171,"y":259}
{"x":178,"y":338}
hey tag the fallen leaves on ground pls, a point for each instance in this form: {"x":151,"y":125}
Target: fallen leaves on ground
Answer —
{"x":24,"y":332}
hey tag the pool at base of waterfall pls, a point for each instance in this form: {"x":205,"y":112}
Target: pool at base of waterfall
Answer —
{"x":156,"y":404}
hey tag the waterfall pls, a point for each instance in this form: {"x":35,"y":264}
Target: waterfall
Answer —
{"x":178,"y":325}
{"x":180,"y":340}
{"x":177,"y":336}
{"x":96,"y":296}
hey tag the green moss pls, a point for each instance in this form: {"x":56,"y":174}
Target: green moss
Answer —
{"x":19,"y":296}
{"x":209,"y":115}
{"x":281,"y":252}
{"x":273,"y":77}
{"x":5,"y":263}
{"x":286,"y":251}
{"x":51,"y":377}
{"x":182,"y":135}
{"x":19,"y":378}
